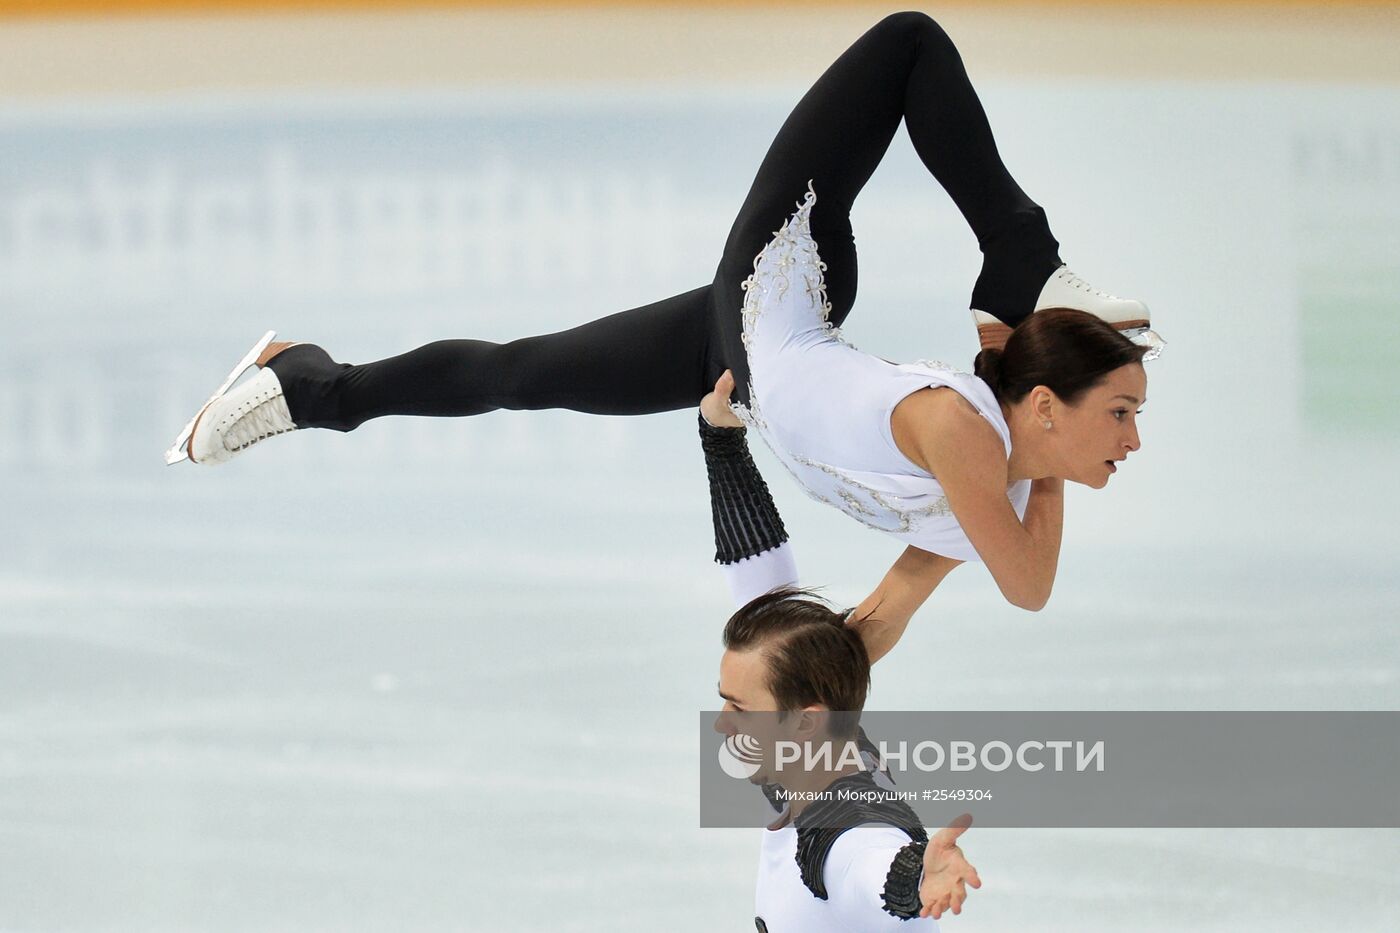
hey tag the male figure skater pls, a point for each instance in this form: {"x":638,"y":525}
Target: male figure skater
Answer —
{"x":839,"y":863}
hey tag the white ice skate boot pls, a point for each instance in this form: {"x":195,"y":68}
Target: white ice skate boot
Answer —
{"x":232,"y":421}
{"x":1064,"y":289}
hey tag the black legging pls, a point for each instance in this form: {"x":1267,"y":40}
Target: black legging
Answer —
{"x":666,"y":355}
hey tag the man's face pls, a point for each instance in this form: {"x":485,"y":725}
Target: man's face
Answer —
{"x":743,"y":685}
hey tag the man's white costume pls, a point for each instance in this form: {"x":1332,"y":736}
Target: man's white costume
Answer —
{"x":864,"y":873}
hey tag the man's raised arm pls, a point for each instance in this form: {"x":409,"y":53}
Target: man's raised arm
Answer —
{"x":750,"y":541}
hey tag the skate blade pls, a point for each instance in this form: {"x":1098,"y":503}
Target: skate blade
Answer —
{"x":1149,"y":338}
{"x":180,"y":450}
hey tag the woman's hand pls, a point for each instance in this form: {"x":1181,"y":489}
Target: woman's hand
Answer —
{"x":884,"y":615}
{"x":715,"y":406}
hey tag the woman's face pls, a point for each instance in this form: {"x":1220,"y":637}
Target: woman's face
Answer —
{"x":1097,"y":432}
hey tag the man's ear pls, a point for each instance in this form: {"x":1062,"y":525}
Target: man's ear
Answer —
{"x":813,"y":722}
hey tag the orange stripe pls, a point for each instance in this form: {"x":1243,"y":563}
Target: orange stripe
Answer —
{"x":101,"y":8}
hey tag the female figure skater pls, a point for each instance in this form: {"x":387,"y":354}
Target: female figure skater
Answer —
{"x":960,"y":467}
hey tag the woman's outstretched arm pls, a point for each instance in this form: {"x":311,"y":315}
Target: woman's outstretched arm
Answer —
{"x":751,"y":543}
{"x":945,"y":435}
{"x":884,"y":615}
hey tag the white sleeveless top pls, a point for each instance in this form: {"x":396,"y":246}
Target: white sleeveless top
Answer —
{"x":824,"y":407}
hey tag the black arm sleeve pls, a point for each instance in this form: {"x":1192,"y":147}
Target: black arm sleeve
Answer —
{"x":746,"y":520}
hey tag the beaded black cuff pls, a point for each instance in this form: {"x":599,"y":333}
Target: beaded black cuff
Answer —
{"x":902,"y":883}
{"x":746,"y":521}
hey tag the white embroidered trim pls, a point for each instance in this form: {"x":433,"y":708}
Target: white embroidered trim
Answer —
{"x":792,"y":249}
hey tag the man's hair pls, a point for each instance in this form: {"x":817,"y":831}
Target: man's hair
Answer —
{"x":813,"y":656}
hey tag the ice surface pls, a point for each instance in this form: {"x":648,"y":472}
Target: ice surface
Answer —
{"x":442,"y":675}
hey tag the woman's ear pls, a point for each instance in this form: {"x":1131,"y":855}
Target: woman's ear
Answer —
{"x":1043,"y":401}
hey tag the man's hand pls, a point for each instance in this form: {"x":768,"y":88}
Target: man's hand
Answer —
{"x":946,"y":871}
{"x":715,"y":406}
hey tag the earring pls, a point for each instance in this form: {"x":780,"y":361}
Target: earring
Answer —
{"x":1048,"y":424}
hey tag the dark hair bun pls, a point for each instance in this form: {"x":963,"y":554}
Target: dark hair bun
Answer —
{"x":987,"y":367}
{"x":1067,"y":351}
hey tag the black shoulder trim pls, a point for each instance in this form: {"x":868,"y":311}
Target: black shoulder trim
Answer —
{"x":821,"y":823}
{"x":902,"y":883}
